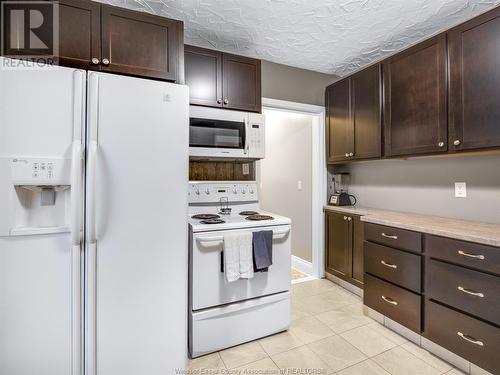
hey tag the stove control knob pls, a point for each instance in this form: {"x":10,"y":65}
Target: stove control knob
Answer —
{"x":235,"y":191}
{"x":243,"y":191}
{"x":251,"y":191}
{"x":197,"y":191}
{"x":207,"y":191}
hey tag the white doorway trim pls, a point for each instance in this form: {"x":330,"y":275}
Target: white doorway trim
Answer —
{"x":319,"y":175}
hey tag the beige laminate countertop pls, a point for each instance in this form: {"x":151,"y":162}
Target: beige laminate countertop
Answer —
{"x":473,"y":231}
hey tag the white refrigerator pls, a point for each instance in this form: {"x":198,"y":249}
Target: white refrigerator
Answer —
{"x":93,"y":233}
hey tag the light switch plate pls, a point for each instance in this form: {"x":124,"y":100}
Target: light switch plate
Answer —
{"x":460,"y":190}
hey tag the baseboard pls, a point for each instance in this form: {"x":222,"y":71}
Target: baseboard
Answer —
{"x":344,"y":284}
{"x":302,"y":265}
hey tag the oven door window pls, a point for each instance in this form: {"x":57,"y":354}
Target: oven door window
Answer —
{"x":216,"y":133}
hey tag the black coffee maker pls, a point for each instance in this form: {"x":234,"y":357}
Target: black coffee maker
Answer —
{"x":340,"y":197}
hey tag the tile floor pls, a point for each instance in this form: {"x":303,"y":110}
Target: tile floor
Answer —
{"x":296,"y":274}
{"x":329,"y":333}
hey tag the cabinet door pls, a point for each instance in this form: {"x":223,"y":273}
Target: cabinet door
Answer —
{"x":357,"y":250}
{"x":366,"y":113}
{"x":415,"y":117}
{"x":338,"y":254}
{"x":241,"y":83}
{"x":339,"y":140}
{"x":474,"y":50}
{"x":80,"y":34}
{"x":203,"y":69}
{"x":141,"y":44}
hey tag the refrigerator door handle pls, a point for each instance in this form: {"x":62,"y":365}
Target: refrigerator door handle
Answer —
{"x":76,"y":192}
{"x":91,"y":177}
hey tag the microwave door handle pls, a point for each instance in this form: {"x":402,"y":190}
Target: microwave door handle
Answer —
{"x":247,"y":135}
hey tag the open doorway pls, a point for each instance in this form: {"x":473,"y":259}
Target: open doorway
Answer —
{"x":292,"y":179}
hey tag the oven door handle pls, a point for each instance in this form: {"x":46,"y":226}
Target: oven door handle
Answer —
{"x":276,"y":234}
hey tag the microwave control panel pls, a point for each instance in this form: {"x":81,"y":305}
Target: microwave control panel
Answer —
{"x":256,"y":136}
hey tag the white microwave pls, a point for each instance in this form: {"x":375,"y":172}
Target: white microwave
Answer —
{"x":224,"y":134}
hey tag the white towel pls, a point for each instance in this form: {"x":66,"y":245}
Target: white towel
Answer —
{"x":238,"y":260}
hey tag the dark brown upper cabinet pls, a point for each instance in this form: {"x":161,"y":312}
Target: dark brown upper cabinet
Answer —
{"x":474,"y":53}
{"x":80,"y":34}
{"x":101,"y":37}
{"x":140,"y":44}
{"x":203,"y":68}
{"x":339,"y":142}
{"x":217,"y":79}
{"x":354,"y":117}
{"x":367,"y":113}
{"x":241,"y":83}
{"x":415,"y":118}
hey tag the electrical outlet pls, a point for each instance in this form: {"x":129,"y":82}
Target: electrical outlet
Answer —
{"x":299,"y":185}
{"x":460,"y":190}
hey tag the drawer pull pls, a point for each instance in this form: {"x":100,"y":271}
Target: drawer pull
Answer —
{"x":476,"y":294}
{"x":470,"y":339}
{"x":389,"y":236}
{"x":388,"y":300}
{"x":463,"y":253}
{"x":388,"y":264}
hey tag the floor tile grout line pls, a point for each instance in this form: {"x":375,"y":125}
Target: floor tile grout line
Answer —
{"x":430,"y":364}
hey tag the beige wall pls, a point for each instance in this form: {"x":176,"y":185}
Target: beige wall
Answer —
{"x":293,"y":84}
{"x":288,"y":161}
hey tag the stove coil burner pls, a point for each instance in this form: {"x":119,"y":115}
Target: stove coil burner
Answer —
{"x":212,"y":221}
{"x":259,"y":217}
{"x":248,"y":213}
{"x":205,"y":216}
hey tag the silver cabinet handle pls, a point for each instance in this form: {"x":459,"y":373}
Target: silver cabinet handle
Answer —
{"x":226,"y":101}
{"x":389,"y":236}
{"x":463,"y":253}
{"x":351,"y":154}
{"x":105,"y":62}
{"x":389,"y":300}
{"x":346,"y":154}
{"x":456,"y":142}
{"x":388,"y":264}
{"x":467,"y":291}
{"x":219,"y":101}
{"x":441,"y":144}
{"x":345,"y":217}
{"x":349,"y":218}
{"x":95,"y":61}
{"x":470,"y":339}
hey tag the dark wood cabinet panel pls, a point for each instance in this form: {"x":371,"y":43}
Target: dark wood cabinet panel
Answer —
{"x":241,"y":86}
{"x":338,"y":245}
{"x":398,"y":267}
{"x":471,"y":291}
{"x":339,"y":141}
{"x":358,"y":269}
{"x":394,"y":237}
{"x":80,"y":34}
{"x":390,"y":300}
{"x":140,"y":44}
{"x":415,"y":117}
{"x":203,"y":69}
{"x":344,"y":247}
{"x":480,"y":257}
{"x":474,"y":53}
{"x":469,"y":338}
{"x":366,"y":113}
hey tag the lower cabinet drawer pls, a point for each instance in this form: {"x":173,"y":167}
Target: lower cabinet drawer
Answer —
{"x":393,"y":265}
{"x":469,"y":338}
{"x":471,"y":291}
{"x":395,"y":302}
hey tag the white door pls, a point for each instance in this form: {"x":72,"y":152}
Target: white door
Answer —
{"x":137,"y":178}
{"x":41,"y":118}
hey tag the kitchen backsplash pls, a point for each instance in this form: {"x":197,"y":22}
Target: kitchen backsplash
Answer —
{"x":426,"y":185}
{"x":221,"y":171}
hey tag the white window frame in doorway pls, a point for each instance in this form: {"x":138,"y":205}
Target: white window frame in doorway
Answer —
{"x":319,"y":182}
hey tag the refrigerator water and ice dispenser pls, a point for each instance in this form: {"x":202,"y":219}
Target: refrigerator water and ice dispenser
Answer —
{"x":40,"y":196}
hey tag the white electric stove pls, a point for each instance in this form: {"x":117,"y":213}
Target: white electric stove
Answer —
{"x":223,"y":314}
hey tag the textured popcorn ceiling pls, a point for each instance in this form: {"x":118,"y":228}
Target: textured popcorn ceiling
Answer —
{"x":329,"y":36}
